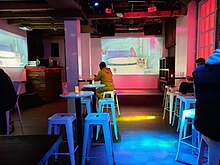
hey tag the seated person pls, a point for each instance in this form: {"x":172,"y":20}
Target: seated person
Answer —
{"x":7,"y":97}
{"x":187,"y":87}
{"x":105,"y":76}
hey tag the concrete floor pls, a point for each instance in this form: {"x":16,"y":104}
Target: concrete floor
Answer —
{"x":145,"y":138}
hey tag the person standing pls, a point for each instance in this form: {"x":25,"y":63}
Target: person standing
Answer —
{"x":207,"y":91}
{"x":105,"y":76}
{"x":7,"y":99}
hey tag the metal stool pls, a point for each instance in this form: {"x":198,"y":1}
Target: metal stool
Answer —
{"x":101,"y":119}
{"x":66,"y":119}
{"x":213,"y":151}
{"x":113,"y":94}
{"x":104,"y":102}
{"x":187,"y":114}
{"x":87,"y":103}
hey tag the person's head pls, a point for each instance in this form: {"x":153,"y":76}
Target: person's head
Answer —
{"x":102,"y":65}
{"x":200,"y":61}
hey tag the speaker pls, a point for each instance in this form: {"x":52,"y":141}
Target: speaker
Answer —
{"x":107,"y":29}
{"x":35,"y":44}
{"x":153,"y":29}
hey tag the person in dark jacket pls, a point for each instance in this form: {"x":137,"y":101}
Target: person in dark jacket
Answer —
{"x":7,"y":99}
{"x":207,"y":91}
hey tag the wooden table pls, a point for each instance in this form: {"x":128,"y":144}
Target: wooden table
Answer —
{"x":93,"y":87}
{"x":77,"y":96}
{"x":27,"y":149}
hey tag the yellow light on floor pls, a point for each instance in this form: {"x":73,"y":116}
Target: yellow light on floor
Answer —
{"x":135,"y":118}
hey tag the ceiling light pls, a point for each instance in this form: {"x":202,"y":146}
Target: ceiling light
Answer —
{"x":96,"y":4}
{"x":25,"y":27}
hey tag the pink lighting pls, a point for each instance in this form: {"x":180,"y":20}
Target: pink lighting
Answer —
{"x":152,"y":9}
{"x":108,"y":11}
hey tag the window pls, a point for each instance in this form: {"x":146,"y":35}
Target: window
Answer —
{"x":206,"y":33}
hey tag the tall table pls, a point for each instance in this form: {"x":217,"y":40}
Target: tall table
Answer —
{"x":28,"y":149}
{"x":93,"y":87}
{"x":77,"y":96}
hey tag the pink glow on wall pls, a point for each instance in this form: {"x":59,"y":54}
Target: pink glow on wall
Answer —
{"x":136,"y":81}
{"x":191,"y":35}
{"x":179,"y":29}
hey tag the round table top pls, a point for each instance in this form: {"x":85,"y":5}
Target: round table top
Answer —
{"x":77,"y":94}
{"x":93,"y":85}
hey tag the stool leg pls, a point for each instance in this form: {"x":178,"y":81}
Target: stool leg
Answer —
{"x":175,"y":111}
{"x":165,"y":107}
{"x":180,"y":137}
{"x":117,"y":105}
{"x":114,"y":120}
{"x":108,"y":144}
{"x":20,"y":119}
{"x":8,"y":121}
{"x":56,"y":132}
{"x":85,"y":142}
{"x":201,"y":152}
{"x":70,"y":137}
{"x":98,"y":126}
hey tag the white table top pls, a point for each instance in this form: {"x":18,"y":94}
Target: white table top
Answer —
{"x":77,"y":94}
{"x":93,"y":85}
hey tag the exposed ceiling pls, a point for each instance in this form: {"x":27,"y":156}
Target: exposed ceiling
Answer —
{"x":125,"y":15}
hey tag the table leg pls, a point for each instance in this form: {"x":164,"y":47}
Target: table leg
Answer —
{"x":79,"y":127}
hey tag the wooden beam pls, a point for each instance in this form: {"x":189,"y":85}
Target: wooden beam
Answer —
{"x":40,"y":21}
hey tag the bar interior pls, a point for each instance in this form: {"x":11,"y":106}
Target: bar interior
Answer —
{"x":106,"y":82}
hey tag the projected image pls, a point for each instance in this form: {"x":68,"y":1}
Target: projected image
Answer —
{"x":13,"y":50}
{"x":132,"y":55}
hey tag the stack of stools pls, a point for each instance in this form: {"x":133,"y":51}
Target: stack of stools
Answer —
{"x":66,"y":119}
{"x":87,"y":103}
{"x":100,"y":119}
{"x":213,"y":151}
{"x":188,"y":114}
{"x":113,"y":94}
{"x":102,"y":103}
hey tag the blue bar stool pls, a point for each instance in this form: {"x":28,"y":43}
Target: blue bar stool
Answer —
{"x":87,"y":103}
{"x":94,"y":119}
{"x":66,"y":119}
{"x":104,"y":102}
{"x":113,"y":94}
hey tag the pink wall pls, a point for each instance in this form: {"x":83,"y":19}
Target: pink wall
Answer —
{"x":136,"y":81}
{"x":191,"y":44}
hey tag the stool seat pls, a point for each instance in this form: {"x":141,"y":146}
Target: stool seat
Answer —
{"x":101,"y":119}
{"x":66,"y":119}
{"x":97,"y":118}
{"x":62,"y":118}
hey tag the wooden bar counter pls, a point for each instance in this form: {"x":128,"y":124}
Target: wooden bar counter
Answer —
{"x":45,"y":81}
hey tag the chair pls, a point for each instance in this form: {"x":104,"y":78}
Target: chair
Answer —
{"x":187,"y":114}
{"x":213,"y":151}
{"x":113,"y":94}
{"x":19,"y":91}
{"x":101,"y":103}
{"x":66,"y":119}
{"x":94,"y":119}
